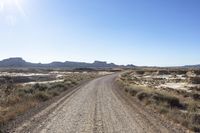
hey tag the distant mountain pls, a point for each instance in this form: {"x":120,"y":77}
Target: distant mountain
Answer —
{"x":193,"y":66}
{"x":20,"y":63}
{"x":13,"y":62}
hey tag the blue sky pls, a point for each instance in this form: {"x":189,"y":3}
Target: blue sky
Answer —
{"x":140,"y":32}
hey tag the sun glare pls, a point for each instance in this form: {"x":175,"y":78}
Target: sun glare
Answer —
{"x":12,"y":4}
{"x":7,"y":2}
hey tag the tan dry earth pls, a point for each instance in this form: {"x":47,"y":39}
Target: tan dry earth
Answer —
{"x":97,"y":107}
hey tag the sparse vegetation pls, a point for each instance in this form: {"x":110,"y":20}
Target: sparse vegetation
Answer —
{"x":15,"y":99}
{"x":178,"y":105}
{"x":195,"y":80}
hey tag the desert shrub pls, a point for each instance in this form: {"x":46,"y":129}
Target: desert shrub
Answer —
{"x":74,"y":82}
{"x":142,"y":95}
{"x":195,"y":118}
{"x":127,"y":89}
{"x":59,"y":90}
{"x":194,"y":80}
{"x":194,"y":122}
{"x":163,"y":110}
{"x":13,"y":99}
{"x":164,"y":98}
{"x":2,"y":80}
{"x":21,"y":93}
{"x":54,"y":93}
{"x":68,"y":84}
{"x":192,"y":107}
{"x":133,"y":92}
{"x":163,"y":72}
{"x":42,"y":96}
{"x":196,"y":96}
{"x":7,"y":114}
{"x":40,"y":87}
{"x":129,"y":78}
{"x":179,"y":71}
{"x":177,"y":115}
{"x":71,"y":81}
{"x":195,"y":128}
{"x":60,"y":87}
{"x":124,"y":74}
{"x":26,"y":90}
{"x":196,"y":88}
{"x":9,"y":86}
{"x":140,"y":72}
{"x":197,"y":72}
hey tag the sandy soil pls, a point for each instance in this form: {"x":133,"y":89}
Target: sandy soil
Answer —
{"x":22,"y":74}
{"x":44,"y":82}
{"x":178,"y":86}
{"x":97,"y":107}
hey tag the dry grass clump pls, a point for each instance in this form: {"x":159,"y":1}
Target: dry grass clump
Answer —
{"x":9,"y":110}
{"x":154,"y":97}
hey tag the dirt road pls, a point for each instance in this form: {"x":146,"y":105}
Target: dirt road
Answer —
{"x":96,"y":107}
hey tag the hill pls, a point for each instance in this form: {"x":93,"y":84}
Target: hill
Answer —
{"x":20,"y":63}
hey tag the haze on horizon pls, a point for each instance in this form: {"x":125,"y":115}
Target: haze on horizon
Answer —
{"x":139,"y":32}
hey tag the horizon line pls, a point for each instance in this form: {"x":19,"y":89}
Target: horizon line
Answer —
{"x":100,"y":61}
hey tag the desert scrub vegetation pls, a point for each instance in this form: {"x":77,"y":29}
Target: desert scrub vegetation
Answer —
{"x":194,"y":80}
{"x":183,"y":108}
{"x":16,"y":99}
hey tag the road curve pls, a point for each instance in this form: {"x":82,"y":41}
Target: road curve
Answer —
{"x":96,"y":107}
